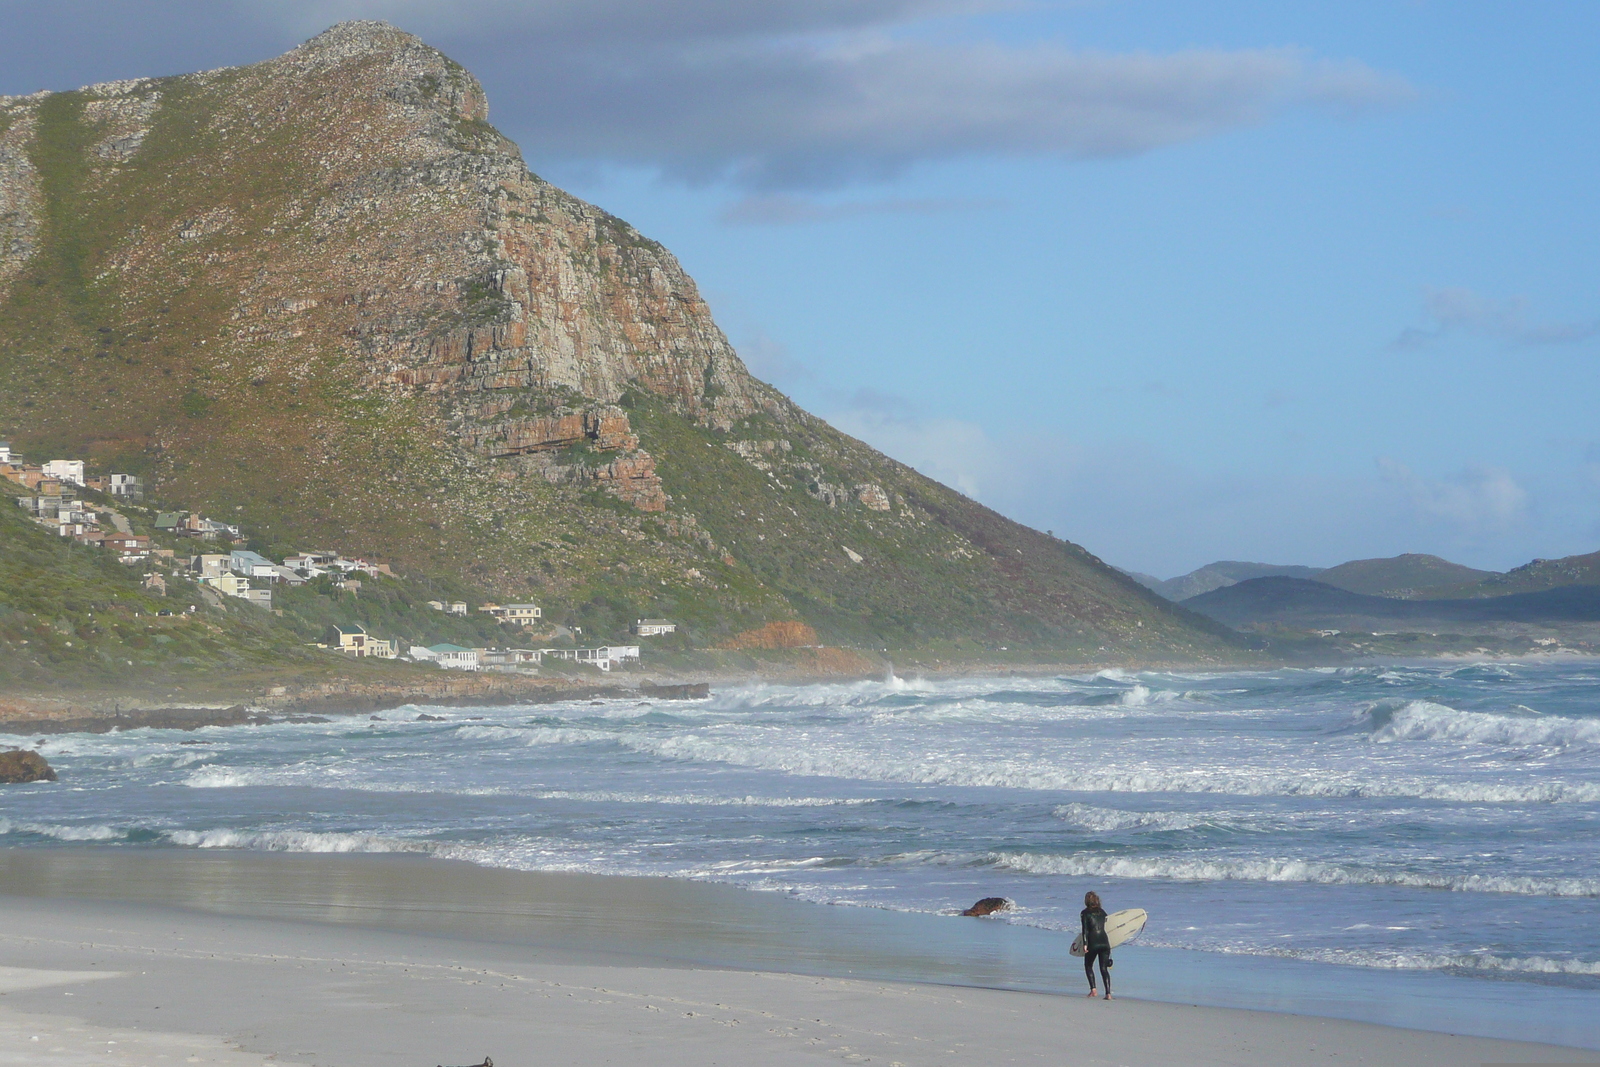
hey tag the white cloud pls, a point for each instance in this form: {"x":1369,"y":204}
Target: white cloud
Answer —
{"x":813,"y":93}
{"x":1462,"y":311}
{"x":1136,"y":508}
{"x":1479,"y":496}
{"x":960,"y":454}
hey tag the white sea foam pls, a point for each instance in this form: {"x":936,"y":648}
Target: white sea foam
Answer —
{"x":697,"y":799}
{"x":63,"y":831}
{"x":1113,"y":820}
{"x":295,"y":841}
{"x":1203,"y":869}
{"x":1017,"y":772}
{"x":1423,"y":720}
{"x":1485,"y":962}
{"x":212,"y":776}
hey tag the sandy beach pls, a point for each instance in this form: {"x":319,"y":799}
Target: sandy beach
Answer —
{"x":134,"y":982}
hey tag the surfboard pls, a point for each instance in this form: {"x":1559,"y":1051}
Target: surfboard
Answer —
{"x":1120,"y":926}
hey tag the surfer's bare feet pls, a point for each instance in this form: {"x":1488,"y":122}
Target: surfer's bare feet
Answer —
{"x":1108,"y":996}
{"x":1092,"y":994}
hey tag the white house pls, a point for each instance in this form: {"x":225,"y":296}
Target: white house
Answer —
{"x":452,"y":657}
{"x":654,"y":627}
{"x":229,"y":584}
{"x":515,"y":614}
{"x":68,"y":470}
{"x":605,"y":657}
{"x":353,"y":640}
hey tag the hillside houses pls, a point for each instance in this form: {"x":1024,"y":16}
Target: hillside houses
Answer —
{"x":514,"y":614}
{"x":353,"y":640}
{"x":447,"y":656}
{"x":184,"y":552}
{"x":193,"y":524}
{"x":455,"y":657}
{"x":52,"y":477}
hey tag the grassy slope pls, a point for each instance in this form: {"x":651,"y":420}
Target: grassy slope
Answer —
{"x":1531,"y":577}
{"x":73,"y":619}
{"x":74,"y":622}
{"x":1400,"y":576}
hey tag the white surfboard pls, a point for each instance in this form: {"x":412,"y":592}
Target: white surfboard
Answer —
{"x":1120,"y":926}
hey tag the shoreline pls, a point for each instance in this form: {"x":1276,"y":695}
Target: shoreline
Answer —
{"x":667,"y":924}
{"x":226,"y":986}
{"x":32,"y":712}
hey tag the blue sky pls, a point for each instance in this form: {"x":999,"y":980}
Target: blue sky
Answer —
{"x":1178,"y":281}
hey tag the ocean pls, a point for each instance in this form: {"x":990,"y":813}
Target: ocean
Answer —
{"x":1439,"y":819}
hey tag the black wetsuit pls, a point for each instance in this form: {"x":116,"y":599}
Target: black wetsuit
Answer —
{"x":1096,"y":945}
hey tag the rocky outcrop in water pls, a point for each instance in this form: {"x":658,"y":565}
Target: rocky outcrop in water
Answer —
{"x":19,"y":765}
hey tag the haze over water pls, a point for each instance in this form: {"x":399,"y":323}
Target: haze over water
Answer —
{"x":1409,"y":818}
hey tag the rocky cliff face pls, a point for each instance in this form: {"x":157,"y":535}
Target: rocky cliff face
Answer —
{"x":324,"y":295}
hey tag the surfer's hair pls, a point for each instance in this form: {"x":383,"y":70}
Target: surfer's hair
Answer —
{"x":1091,"y":899}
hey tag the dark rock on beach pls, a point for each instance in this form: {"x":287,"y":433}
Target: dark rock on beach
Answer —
{"x":988,"y":906}
{"x":18,"y":765}
{"x":150,"y":718}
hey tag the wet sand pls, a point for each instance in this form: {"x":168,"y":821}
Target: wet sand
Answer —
{"x":160,"y":956}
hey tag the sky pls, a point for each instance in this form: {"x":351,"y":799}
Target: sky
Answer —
{"x":1283,"y":282}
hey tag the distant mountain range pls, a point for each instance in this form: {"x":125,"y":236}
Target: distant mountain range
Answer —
{"x":1302,"y":604}
{"x":1409,"y":576}
{"x":1217,"y":576}
{"x":1414,"y":591}
{"x":1413,"y":576}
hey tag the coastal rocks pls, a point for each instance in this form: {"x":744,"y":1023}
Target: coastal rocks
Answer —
{"x":148,"y":718}
{"x":18,"y":765}
{"x":988,"y":906}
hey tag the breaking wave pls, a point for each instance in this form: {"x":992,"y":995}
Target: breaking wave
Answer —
{"x":1423,"y":720}
{"x":64,"y":832}
{"x":296,"y":841}
{"x":1201,"y":869}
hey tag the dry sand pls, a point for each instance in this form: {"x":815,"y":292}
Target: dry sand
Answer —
{"x":112,"y":983}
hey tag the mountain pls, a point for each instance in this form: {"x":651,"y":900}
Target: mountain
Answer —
{"x":1308,"y":605}
{"x":1149,"y":581}
{"x":1531,"y":577}
{"x":1225,"y":573}
{"x":1410,"y":575}
{"x":324,"y":298}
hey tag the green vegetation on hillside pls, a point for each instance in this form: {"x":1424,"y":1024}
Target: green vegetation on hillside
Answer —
{"x":72,"y":617}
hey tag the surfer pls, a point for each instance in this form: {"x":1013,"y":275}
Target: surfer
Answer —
{"x":1096,"y":945}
